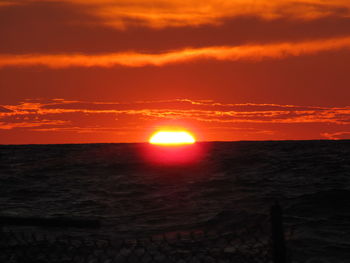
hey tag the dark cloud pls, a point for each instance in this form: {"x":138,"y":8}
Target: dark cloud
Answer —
{"x":4,"y":110}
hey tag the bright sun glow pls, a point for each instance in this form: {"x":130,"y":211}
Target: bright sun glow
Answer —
{"x":172,"y":138}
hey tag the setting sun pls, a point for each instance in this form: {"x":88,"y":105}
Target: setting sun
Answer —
{"x":172,"y":138}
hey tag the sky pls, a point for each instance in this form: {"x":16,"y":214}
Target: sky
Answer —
{"x":90,"y":71}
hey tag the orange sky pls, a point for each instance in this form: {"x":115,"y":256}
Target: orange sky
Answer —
{"x":75,"y":71}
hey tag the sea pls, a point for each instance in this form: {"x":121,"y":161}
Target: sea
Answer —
{"x":139,"y":189}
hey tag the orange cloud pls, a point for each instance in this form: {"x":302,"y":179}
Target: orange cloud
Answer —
{"x":203,"y":111}
{"x":337,"y":135}
{"x":63,"y":121}
{"x":31,"y":124}
{"x":163,"y":13}
{"x":224,"y":53}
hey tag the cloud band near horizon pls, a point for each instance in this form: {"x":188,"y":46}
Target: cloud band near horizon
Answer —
{"x":249,"y":52}
{"x":204,"y":111}
{"x":61,"y":121}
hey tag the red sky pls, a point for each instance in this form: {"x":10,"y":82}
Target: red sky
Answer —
{"x":75,"y":71}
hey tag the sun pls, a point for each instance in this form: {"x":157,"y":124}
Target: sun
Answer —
{"x":172,"y":138}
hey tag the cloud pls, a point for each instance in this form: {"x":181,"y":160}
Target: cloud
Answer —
{"x":202,"y":111}
{"x":221,"y":53}
{"x":165,"y":13}
{"x":342,"y":135}
{"x":63,"y":28}
{"x":53,"y":121}
{"x":3,"y":109}
{"x":31,"y":124}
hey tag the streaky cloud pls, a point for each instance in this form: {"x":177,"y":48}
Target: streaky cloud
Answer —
{"x":178,"y":13}
{"x":212,"y":112}
{"x":253,"y":121}
{"x":253,"y":52}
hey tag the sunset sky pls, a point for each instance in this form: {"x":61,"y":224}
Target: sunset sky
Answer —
{"x":84,"y":71}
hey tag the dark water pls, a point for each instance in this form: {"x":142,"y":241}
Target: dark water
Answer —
{"x":231,"y":184}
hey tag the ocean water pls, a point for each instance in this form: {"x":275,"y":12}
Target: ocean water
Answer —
{"x":141,"y":190}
